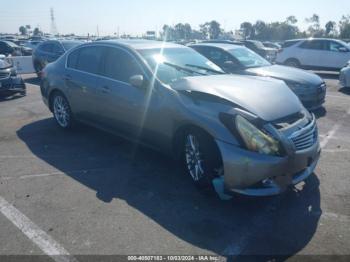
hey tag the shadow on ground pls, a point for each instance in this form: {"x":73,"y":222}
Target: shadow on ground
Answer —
{"x":154,"y":185}
{"x":9,"y":97}
{"x":32,"y":81}
{"x":320,"y":112}
{"x":345,"y":90}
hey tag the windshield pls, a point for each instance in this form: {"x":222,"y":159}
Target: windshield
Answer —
{"x":172,"y":64}
{"x":71,"y":44}
{"x":258,"y":44}
{"x":248,"y":58}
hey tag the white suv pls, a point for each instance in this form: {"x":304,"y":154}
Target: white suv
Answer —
{"x":315,"y":53}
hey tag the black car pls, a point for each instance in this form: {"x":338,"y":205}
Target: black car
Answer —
{"x":258,"y":47}
{"x":50,"y":51}
{"x":10,"y":48}
{"x":10,"y":82}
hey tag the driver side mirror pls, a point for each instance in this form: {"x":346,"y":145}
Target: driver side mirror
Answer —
{"x":343,"y":49}
{"x":137,"y":81}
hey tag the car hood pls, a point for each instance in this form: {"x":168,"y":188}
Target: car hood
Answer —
{"x":288,"y":74}
{"x":265,"y":97}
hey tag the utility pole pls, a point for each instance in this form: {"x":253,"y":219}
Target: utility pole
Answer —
{"x":54,"y":30}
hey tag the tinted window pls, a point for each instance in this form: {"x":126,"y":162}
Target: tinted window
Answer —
{"x":314,"y":44}
{"x":46,"y":47}
{"x":89,"y":59}
{"x":73,"y":59}
{"x":217,"y":56}
{"x":164,"y":62}
{"x":334,"y":46}
{"x":248,"y":58}
{"x":68,"y":45}
{"x":120,"y":65}
{"x":57,"y":49}
{"x":289,"y":43}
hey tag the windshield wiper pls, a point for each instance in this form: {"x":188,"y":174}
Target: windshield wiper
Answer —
{"x":180,"y":68}
{"x":206,"y":69}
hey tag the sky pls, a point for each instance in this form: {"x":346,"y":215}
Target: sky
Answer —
{"x":135,"y":17}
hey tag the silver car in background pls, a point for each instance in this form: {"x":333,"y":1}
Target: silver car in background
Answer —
{"x":232,"y":133}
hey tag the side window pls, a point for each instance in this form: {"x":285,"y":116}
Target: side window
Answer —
{"x":46,"y":48}
{"x":120,"y":65}
{"x":89,"y":59}
{"x":217,"y":56}
{"x":334,"y":46}
{"x":72,"y":59}
{"x":314,"y":45}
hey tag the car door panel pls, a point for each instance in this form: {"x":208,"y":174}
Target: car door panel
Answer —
{"x":122,"y":106}
{"x":81,"y":78}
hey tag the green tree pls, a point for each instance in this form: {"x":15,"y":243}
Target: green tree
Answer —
{"x":292,"y":20}
{"x":37,"y":31}
{"x":331,"y":28}
{"x":23,"y":30}
{"x":314,"y":28}
{"x":344,"y":27}
{"x":247,"y":30}
{"x":211,"y":29}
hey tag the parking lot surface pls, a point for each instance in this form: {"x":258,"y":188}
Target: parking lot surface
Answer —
{"x":87,"y":192}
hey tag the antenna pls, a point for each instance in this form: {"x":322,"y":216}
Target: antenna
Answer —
{"x":53,"y":24}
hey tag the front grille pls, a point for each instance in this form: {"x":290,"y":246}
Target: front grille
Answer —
{"x":4,"y":75}
{"x":306,"y":137}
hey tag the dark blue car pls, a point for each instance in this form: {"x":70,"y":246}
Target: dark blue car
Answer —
{"x":50,"y":51}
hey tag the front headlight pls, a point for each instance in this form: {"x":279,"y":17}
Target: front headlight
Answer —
{"x":295,"y":85}
{"x":255,"y":139}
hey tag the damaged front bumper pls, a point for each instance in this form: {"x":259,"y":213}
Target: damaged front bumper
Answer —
{"x":254,"y":174}
{"x":12,"y":85}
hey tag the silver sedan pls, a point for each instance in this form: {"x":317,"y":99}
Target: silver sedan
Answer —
{"x":231,"y":133}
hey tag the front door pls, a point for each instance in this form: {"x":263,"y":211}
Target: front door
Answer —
{"x":123,"y":106}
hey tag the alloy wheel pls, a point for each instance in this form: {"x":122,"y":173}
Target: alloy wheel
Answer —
{"x":61,"y":111}
{"x":193,"y":157}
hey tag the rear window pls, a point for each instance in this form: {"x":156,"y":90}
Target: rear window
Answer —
{"x":46,"y":47}
{"x":73,"y":59}
{"x":289,"y":43}
{"x":314,"y":45}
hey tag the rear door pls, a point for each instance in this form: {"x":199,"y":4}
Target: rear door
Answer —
{"x":311,"y":53}
{"x":123,"y":106}
{"x":81,"y":74}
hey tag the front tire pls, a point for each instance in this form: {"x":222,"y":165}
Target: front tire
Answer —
{"x":292,"y":62}
{"x":61,"y":111}
{"x":201,"y":158}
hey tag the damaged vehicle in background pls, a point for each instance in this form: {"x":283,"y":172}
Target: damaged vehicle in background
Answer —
{"x":309,"y":87}
{"x":10,"y":82}
{"x":232,"y":133}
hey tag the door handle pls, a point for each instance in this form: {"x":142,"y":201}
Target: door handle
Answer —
{"x":105,"y":89}
{"x":67,"y":77}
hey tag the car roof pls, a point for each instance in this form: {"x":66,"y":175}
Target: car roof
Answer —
{"x":139,"y":44}
{"x":219,"y":45}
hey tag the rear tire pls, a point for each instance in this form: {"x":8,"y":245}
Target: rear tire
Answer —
{"x":292,"y":62}
{"x":201,"y":158}
{"x":61,"y":111}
